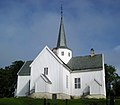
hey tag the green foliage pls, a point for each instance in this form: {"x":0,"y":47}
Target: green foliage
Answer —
{"x":20,"y":101}
{"x":8,"y":78}
{"x":110,"y":73}
{"x":30,"y":101}
{"x":112,"y":78}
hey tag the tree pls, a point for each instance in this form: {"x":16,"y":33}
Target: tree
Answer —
{"x":117,"y":86}
{"x":112,"y":78}
{"x":8,"y":78}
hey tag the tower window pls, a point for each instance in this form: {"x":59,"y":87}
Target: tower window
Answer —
{"x":69,"y":54}
{"x":46,"y":70}
{"x":62,"y":53}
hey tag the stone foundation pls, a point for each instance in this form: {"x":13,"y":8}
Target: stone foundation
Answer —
{"x":89,"y":96}
{"x":49,"y":95}
{"x":62,"y":96}
{"x":96,"y":96}
{"x":41,"y":95}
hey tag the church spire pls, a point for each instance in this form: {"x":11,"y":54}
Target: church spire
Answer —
{"x":62,"y":51}
{"x":61,"y":43}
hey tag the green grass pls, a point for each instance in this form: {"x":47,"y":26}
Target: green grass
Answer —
{"x":30,"y":101}
{"x":20,"y":101}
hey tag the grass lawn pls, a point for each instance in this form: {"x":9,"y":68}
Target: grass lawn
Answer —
{"x":30,"y":101}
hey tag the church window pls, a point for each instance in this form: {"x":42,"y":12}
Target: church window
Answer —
{"x":62,"y":53}
{"x":46,"y":70}
{"x":69,"y":54}
{"x":66,"y":81}
{"x":77,"y":83}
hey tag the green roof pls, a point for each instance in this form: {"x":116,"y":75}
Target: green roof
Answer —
{"x":25,"y":69}
{"x":85,"y":62}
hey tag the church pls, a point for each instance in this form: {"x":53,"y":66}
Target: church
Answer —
{"x":55,"y":73}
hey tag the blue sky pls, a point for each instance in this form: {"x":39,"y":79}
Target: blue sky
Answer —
{"x":27,"y":26}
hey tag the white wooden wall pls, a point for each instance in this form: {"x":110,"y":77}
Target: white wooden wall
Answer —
{"x":88,"y":79}
{"x":56,"y":73}
{"x":22,"y":85}
{"x":65,"y":58}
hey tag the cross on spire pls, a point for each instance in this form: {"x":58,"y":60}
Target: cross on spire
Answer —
{"x":61,"y":36}
{"x":61,"y":10}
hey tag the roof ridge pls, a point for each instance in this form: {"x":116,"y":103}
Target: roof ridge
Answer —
{"x":85,"y":55}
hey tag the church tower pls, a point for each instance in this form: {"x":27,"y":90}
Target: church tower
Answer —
{"x":61,"y":50}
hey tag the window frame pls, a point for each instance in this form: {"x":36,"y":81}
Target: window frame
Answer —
{"x":77,"y":83}
{"x":62,"y":53}
{"x":69,"y":54}
{"x":46,"y":70}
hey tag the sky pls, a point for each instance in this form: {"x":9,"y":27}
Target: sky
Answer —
{"x":27,"y":26}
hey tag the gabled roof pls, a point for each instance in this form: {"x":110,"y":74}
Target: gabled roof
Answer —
{"x":51,"y":52}
{"x":25,"y":69}
{"x":85,"y":62}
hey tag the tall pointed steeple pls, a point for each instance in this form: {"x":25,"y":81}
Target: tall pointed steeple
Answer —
{"x":61,"y":43}
{"x":62,"y":51}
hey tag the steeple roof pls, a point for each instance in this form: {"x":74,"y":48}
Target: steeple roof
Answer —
{"x":61,"y":43}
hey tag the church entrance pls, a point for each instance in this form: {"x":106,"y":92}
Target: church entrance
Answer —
{"x":54,"y":96}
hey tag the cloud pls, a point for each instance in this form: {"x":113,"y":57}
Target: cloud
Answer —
{"x":24,"y":34}
{"x":28,"y":25}
{"x":112,"y":57}
{"x":117,"y":48}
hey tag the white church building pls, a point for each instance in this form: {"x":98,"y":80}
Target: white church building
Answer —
{"x":57,"y":74}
